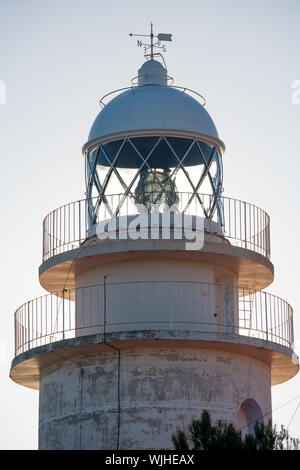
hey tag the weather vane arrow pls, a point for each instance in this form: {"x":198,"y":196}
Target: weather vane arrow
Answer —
{"x":160,"y":37}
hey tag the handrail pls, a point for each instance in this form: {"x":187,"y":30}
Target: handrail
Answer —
{"x":127,"y":306}
{"x":245,"y":225}
{"x":134,"y":86}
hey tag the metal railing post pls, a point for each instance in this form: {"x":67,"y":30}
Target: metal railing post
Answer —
{"x":79,"y":222}
{"x":291,"y":327}
{"x":245,"y":223}
{"x":266,"y":313}
{"x":15,"y":334}
{"x":53,"y":234}
{"x":28,"y":324}
{"x":63,"y":312}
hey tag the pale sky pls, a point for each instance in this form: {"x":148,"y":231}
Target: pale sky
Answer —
{"x":58,"y":57}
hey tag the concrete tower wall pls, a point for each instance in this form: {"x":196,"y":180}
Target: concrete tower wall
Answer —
{"x":160,"y":389}
{"x":155,"y":294}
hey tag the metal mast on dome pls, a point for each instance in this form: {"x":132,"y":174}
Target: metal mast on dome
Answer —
{"x":160,"y":37}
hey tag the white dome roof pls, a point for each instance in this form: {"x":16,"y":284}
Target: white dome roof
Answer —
{"x":152,"y":107}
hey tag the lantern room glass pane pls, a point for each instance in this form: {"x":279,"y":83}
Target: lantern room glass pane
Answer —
{"x":154,"y":170}
{"x":111,"y":149}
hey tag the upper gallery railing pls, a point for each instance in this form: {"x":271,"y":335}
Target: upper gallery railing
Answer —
{"x":153,"y":305}
{"x":243,"y":224}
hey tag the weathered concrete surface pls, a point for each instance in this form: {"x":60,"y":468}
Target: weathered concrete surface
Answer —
{"x":160,"y":389}
{"x":26,"y":367}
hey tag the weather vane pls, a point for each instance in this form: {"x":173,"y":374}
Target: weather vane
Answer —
{"x":160,"y":37}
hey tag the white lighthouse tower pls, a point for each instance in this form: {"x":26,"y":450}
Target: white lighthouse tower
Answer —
{"x":156,"y":308}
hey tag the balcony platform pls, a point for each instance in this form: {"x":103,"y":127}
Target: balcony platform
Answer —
{"x":251,"y":268}
{"x":26,"y":367}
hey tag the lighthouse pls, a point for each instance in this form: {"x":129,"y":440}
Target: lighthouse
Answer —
{"x":156,"y":306}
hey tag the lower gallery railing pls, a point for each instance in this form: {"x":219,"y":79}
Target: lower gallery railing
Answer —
{"x":150,"y":305}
